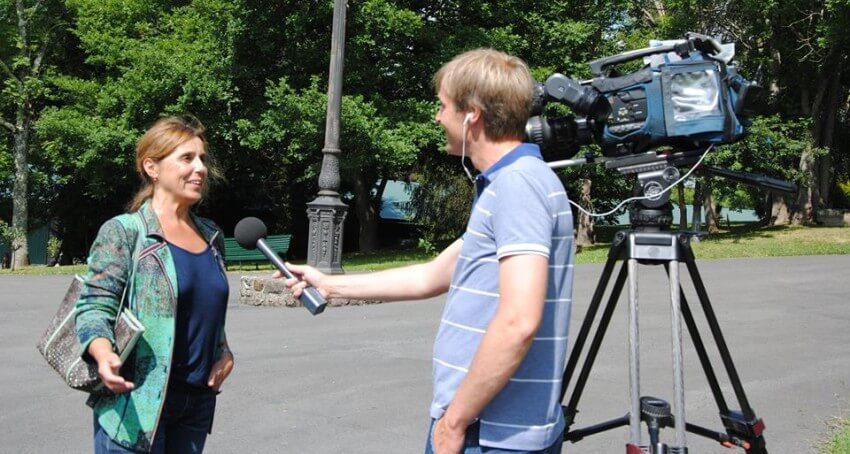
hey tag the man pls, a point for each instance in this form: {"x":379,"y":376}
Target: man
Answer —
{"x":500,"y":350}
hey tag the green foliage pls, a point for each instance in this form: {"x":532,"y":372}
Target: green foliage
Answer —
{"x":443,"y":199}
{"x":54,"y":245}
{"x":845,"y":188}
{"x":130,"y":63}
{"x":9,"y":234}
{"x":255,"y":72}
{"x":7,"y":165}
{"x":773,"y":147}
{"x":427,"y":246}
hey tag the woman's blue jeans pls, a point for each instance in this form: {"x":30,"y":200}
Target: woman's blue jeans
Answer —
{"x":185,"y":422}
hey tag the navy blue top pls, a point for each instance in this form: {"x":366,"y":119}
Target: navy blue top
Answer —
{"x":201,"y":307}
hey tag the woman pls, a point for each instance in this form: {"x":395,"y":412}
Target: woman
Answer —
{"x":163,"y":398}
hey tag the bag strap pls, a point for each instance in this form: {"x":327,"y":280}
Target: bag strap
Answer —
{"x":130,"y":287}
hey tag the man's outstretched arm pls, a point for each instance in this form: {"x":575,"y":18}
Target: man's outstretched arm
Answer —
{"x":419,"y":281}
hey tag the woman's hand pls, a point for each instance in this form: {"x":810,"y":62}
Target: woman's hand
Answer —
{"x":220,"y":370}
{"x":108,"y":365}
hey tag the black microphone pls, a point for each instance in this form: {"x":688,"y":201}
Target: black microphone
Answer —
{"x":250,"y":233}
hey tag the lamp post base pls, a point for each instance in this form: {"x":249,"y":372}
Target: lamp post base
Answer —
{"x":324,"y":250}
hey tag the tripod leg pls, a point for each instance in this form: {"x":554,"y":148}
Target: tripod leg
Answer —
{"x":720,"y":341}
{"x":634,"y":355}
{"x":678,"y":372}
{"x":572,"y":406}
{"x":696,"y":338}
{"x":616,"y":250}
{"x":744,"y":426}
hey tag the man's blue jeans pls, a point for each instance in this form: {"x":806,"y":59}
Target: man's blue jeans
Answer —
{"x":471,"y":446}
{"x":185,"y":422}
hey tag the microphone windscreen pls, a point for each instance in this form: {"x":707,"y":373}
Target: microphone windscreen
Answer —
{"x":248,"y":231}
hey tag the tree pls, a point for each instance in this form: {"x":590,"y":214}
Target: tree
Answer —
{"x":683,"y":213}
{"x":375,"y":146}
{"x":27,"y":29}
{"x":802,"y":48}
{"x":134,"y":62}
{"x":584,"y":231}
{"x":818,"y":49}
{"x":11,"y":236}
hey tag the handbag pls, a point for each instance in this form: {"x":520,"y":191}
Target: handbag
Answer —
{"x":60,"y":346}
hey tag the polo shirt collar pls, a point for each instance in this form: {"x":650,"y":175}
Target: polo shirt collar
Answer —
{"x":524,"y":149}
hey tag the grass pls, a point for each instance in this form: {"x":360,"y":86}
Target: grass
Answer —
{"x":746,"y":240}
{"x":738,"y":240}
{"x":43,"y":270}
{"x":840,"y":442}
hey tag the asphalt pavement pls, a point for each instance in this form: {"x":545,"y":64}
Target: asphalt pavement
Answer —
{"x":357,"y":379}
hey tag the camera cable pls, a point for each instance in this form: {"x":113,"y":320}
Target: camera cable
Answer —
{"x":646,"y":197}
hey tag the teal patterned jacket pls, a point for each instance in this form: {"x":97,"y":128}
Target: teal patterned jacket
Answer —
{"x":130,"y":419}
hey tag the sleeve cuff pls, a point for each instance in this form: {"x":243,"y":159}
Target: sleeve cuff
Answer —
{"x":522,"y":248}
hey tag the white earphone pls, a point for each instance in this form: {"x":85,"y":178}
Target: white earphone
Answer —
{"x":467,"y":117}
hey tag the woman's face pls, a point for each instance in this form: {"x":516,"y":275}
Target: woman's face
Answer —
{"x":183,"y":173}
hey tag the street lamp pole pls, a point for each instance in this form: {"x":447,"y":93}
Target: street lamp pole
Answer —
{"x":327,"y":211}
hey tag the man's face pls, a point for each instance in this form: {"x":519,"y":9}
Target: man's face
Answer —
{"x":451,"y":119}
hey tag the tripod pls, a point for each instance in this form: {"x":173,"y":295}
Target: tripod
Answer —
{"x":649,"y":243}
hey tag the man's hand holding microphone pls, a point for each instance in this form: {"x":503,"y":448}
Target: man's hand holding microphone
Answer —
{"x":303,"y":277}
{"x":250,"y":233}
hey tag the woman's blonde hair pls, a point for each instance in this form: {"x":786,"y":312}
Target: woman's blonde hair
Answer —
{"x":498,"y":83}
{"x":159,"y":141}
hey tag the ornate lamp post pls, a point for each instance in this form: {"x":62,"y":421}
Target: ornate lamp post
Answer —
{"x":327,"y":212}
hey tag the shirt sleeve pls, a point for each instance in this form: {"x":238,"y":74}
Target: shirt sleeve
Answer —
{"x":523,"y":218}
{"x":109,"y":265}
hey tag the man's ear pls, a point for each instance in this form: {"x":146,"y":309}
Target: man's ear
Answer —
{"x":473,"y":114}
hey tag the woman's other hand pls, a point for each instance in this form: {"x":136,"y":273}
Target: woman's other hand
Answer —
{"x":108,"y":366}
{"x":220,"y":370}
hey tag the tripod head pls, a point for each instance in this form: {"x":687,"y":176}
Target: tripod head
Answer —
{"x":657,"y":171}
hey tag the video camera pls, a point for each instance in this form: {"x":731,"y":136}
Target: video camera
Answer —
{"x":688,"y":95}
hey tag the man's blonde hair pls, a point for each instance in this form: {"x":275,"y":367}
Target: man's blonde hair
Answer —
{"x":498,"y":83}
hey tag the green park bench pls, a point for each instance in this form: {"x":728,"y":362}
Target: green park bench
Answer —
{"x":234,"y":253}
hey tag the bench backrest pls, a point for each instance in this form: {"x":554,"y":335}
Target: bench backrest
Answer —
{"x":233,"y":252}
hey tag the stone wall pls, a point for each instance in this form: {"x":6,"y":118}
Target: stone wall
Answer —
{"x":263,"y":291}
{"x":834,"y":218}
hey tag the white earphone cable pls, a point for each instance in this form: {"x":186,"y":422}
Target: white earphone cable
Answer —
{"x":463,"y":148}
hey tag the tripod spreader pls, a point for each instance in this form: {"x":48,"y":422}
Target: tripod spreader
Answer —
{"x":745,"y":431}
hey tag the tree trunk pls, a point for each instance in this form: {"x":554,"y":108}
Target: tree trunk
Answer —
{"x":804,"y":211}
{"x":20,"y":249}
{"x":816,"y":172}
{"x":584,"y":235}
{"x":823,"y":170}
{"x":711,"y":221}
{"x":683,"y":207}
{"x":367,"y":214}
{"x":779,"y":214}
{"x":696,"y":215}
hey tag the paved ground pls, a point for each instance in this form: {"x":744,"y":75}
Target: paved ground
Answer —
{"x":356,"y":379}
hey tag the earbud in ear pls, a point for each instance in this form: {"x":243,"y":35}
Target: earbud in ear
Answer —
{"x":467,"y":117}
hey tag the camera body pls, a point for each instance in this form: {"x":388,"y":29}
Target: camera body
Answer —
{"x":688,"y":95}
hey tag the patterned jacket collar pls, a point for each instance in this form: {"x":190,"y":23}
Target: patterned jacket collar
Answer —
{"x":154,"y":228}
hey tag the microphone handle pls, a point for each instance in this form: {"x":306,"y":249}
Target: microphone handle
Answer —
{"x":310,"y":297}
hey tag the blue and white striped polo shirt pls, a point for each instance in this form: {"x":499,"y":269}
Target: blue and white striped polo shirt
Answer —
{"x":521,"y":208}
